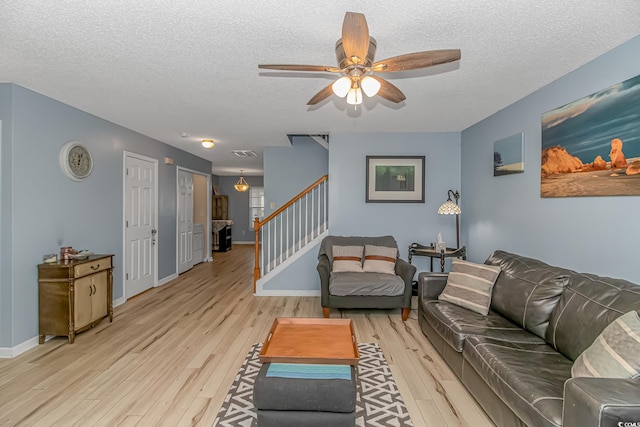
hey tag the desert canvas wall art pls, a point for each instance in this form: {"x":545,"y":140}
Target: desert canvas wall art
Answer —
{"x":591,"y":147}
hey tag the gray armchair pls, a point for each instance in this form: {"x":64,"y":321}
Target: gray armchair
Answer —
{"x":369,"y":290}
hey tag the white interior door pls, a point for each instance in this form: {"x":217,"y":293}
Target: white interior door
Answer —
{"x":140,"y":178}
{"x":185,"y":221}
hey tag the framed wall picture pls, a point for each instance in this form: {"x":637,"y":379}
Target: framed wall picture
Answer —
{"x":590,"y":146}
{"x":508,"y":155}
{"x":395,"y":179}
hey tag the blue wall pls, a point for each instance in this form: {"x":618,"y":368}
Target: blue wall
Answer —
{"x":47,"y":210}
{"x":588,"y":234}
{"x":5,"y":214}
{"x":239,"y":206}
{"x":349,"y":215}
{"x":289,"y":170}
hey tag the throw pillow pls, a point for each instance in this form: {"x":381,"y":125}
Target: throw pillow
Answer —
{"x":347,"y":259}
{"x":380,"y":259}
{"x":469,"y":285}
{"x":614,"y":354}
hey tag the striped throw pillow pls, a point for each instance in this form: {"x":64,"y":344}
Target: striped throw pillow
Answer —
{"x":347,"y":259}
{"x":380,"y":259}
{"x":469,"y":285}
{"x":615,"y":353}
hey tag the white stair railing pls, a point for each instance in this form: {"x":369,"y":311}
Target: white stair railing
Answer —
{"x":290,"y":228}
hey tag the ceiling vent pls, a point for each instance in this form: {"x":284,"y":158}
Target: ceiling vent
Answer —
{"x":244,"y":153}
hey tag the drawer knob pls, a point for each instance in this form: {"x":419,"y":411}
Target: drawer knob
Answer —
{"x":95,"y":267}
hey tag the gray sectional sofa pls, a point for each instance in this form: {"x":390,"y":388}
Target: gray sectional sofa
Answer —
{"x":517,"y":360}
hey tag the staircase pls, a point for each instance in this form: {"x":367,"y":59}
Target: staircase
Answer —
{"x":290,"y":230}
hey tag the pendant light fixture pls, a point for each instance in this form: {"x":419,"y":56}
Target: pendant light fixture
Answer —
{"x":241,"y":186}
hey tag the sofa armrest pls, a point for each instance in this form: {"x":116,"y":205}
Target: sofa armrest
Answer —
{"x":430,"y":285}
{"x":601,"y":402}
{"x":324,"y":270}
{"x":406,"y":271}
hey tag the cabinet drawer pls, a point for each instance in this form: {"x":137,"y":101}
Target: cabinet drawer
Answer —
{"x":92,"y":267}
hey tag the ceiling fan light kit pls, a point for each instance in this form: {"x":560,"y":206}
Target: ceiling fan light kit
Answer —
{"x":355,"y":53}
{"x":354,"y":97}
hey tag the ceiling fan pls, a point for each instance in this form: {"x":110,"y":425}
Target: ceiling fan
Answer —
{"x":355,"y":52}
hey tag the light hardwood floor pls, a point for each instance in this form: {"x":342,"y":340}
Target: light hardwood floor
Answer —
{"x":171,"y":354}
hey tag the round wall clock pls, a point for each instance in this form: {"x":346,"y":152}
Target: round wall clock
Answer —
{"x":75,"y":161}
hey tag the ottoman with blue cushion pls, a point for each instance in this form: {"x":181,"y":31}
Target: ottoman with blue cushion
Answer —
{"x":307,"y":395}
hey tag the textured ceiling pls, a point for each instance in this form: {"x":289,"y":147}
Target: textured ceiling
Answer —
{"x":160,"y":67}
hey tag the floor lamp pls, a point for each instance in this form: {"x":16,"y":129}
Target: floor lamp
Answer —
{"x":450,"y":208}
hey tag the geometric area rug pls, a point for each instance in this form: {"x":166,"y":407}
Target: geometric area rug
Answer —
{"x":378,"y":401}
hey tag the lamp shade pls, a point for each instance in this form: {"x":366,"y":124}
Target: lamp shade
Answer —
{"x":370,"y":86}
{"x":341,"y":86}
{"x":354,"y":97}
{"x":449,"y":208}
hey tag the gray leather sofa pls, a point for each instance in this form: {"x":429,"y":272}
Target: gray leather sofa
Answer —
{"x":516,"y":361}
{"x":362,"y":290}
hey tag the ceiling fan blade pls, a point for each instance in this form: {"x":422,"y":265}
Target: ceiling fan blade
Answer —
{"x":299,"y":67}
{"x":322,"y":95}
{"x":355,"y":36}
{"x":412,"y":61}
{"x":389,"y":91}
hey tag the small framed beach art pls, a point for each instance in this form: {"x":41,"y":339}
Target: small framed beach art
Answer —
{"x":395,"y":179}
{"x":508,"y":155}
{"x":591,"y":147}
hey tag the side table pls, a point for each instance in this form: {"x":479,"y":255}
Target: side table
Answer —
{"x":416,"y":249}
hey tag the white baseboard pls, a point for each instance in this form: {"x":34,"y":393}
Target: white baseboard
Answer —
{"x":10,"y":352}
{"x":243,"y":243}
{"x":288,"y":293}
{"x":167,"y":279}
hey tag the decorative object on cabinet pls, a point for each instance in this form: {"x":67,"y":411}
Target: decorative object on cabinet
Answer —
{"x":220,"y":208}
{"x":74,"y":295}
{"x":508,"y":155}
{"x":241,"y":186}
{"x":75,"y":161}
{"x":395,"y":179}
{"x":450,"y":208}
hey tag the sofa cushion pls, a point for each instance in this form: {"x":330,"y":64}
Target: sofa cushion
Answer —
{"x":527,"y":290}
{"x":329,"y":241}
{"x":369,"y":284}
{"x":529,"y":378}
{"x":469,"y":285}
{"x":380,"y":259}
{"x":454,"y":324}
{"x":347,"y":258}
{"x":615,"y":353}
{"x":588,"y":304}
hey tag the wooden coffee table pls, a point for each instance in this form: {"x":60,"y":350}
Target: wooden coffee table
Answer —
{"x":312,"y":341}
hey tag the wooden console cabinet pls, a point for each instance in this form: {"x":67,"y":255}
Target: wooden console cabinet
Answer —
{"x":74,"y":296}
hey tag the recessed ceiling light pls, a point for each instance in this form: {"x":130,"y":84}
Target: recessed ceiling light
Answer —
{"x":208,"y":143}
{"x":184,"y":134}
